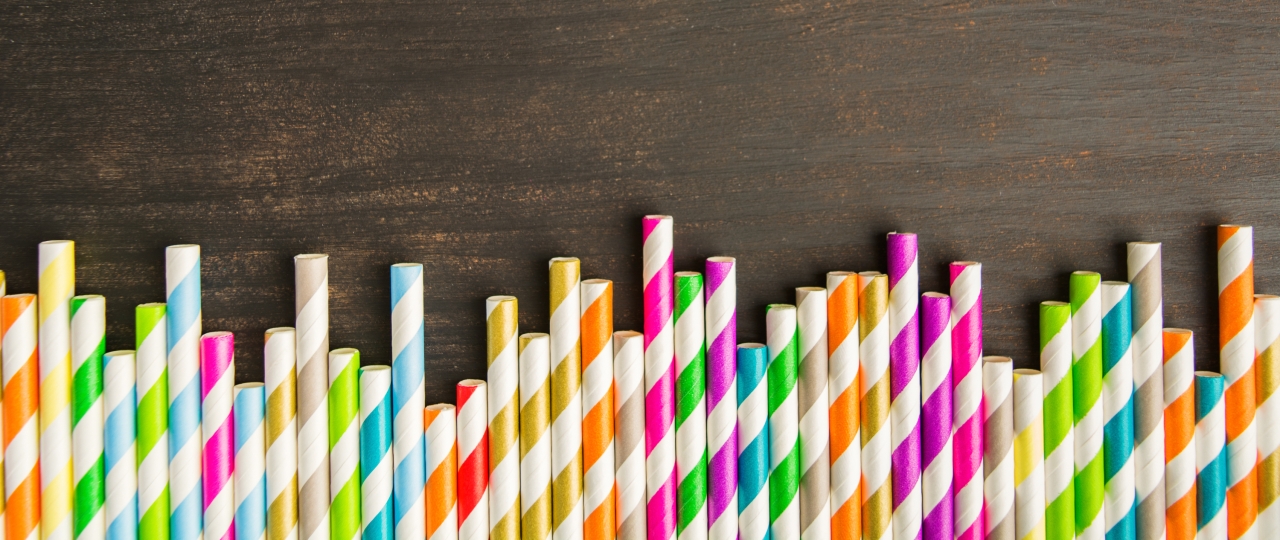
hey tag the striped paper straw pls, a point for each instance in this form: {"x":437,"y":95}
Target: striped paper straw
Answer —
{"x":1059,"y":443}
{"x":183,"y":327}
{"x":904,"y":377}
{"x":473,"y":461}
{"x":566,"y":399}
{"x":1236,"y":339}
{"x":503,"y":360}
{"x":842,"y":374}
{"x":311,"y":308}
{"x":660,"y":377}
{"x":1148,"y":383}
{"x":1028,"y":454}
{"x":597,"y":419}
{"x":1211,"y":457}
{"x":3,"y":289}
{"x":376,"y":476}
{"x":784,"y":414}
{"x":279,"y":351}
{"x":217,"y":377}
{"x":936,"y":414}
{"x":1179,"y":434}
{"x":873,"y":352}
{"x":250,"y":478}
{"x":408,"y":396}
{"x":811,"y":390}
{"x":153,"y":422}
{"x":88,"y":344}
{"x":966,"y":381}
{"x":753,"y":442}
{"x":1266,"y":314}
{"x":344,"y":444}
{"x":1117,"y":411}
{"x":1086,"y":380}
{"x":722,"y":398}
{"x":997,"y":446}
{"x":57,"y":286}
{"x":120,"y":445}
{"x":442,"y":484}
{"x":691,"y":407}
{"x":21,"y":391}
{"x":629,"y":436}
{"x":535,"y":439}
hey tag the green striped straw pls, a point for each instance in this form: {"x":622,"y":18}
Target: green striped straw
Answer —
{"x":88,"y":344}
{"x":153,"y":422}
{"x":691,"y":408}
{"x":344,"y":444}
{"x":784,"y":422}
{"x":1059,"y":446}
{"x":1086,"y":379}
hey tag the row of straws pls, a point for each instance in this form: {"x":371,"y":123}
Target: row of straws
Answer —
{"x":868,"y":413}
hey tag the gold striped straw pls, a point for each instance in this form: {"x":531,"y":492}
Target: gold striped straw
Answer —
{"x":504,"y":418}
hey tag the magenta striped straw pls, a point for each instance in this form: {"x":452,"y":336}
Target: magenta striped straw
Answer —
{"x":966,"y":377}
{"x":660,"y":376}
{"x":722,"y":398}
{"x":935,"y":432}
{"x":904,"y":383}
{"x":217,"y":378}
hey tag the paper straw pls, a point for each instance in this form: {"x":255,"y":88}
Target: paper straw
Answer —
{"x":1059,"y":440}
{"x":936,"y":414}
{"x":873,"y":352}
{"x":408,"y":396}
{"x":535,"y":437}
{"x":120,"y":445}
{"x":22,"y":400}
{"x":966,"y":380}
{"x":597,"y":419}
{"x":57,"y":286}
{"x":1236,"y":339}
{"x":502,"y":356}
{"x":1211,"y":457}
{"x":217,"y":377}
{"x":842,"y":375}
{"x":629,"y":436}
{"x":811,"y":390}
{"x":183,"y":327}
{"x":1086,"y":380}
{"x":1266,"y":316}
{"x":88,"y":344}
{"x":659,"y":374}
{"x":566,"y":399}
{"x":153,"y":421}
{"x":722,"y":398}
{"x":442,"y":484}
{"x":997,"y":446}
{"x":279,"y":351}
{"x":753,"y":442}
{"x":376,"y":476}
{"x":904,"y":377}
{"x":1028,"y":454}
{"x":1117,"y":411}
{"x":344,"y":444}
{"x":311,"y":308}
{"x":473,"y":461}
{"x":3,"y":290}
{"x":1148,"y":381}
{"x":251,"y":462}
{"x":1179,"y":434}
{"x":691,"y":407}
{"x":784,"y":414}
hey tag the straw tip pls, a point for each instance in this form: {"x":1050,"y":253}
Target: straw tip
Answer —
{"x":627,"y":334}
{"x":376,"y":367}
{"x":440,"y":407}
{"x":657,"y":217}
{"x":122,"y":352}
{"x":932,"y":294}
{"x":751,"y":346}
{"x":280,"y":330}
{"x":248,"y":385}
{"x":310,"y":256}
{"x":966,"y":263}
{"x":722,"y":260}
{"x":597,"y":281}
{"x":57,"y":242}
{"x":1026,"y":371}
{"x":407,"y":265}
{"x":996,"y":359}
{"x":471,"y":382}
{"x":562,"y":260}
{"x":216,"y":335}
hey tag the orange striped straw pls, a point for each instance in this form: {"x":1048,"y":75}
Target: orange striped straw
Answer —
{"x":1179,"y":435}
{"x":1237,"y":355}
{"x":442,"y":472}
{"x":22,"y":400}
{"x":597,"y":395}
{"x":842,"y":375}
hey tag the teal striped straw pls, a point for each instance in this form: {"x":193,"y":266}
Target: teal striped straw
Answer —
{"x":375,"y":452}
{"x":753,"y":442}
{"x":1211,"y":457}
{"x":1117,"y":411}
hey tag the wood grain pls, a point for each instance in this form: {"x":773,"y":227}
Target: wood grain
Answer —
{"x":483,"y":138}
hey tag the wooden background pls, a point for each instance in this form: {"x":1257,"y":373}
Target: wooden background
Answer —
{"x":483,"y":137}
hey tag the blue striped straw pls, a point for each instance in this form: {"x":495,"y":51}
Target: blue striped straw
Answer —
{"x":375,"y":452}
{"x":119,"y":445}
{"x":251,"y":459}
{"x":753,"y":442}
{"x":409,"y":399}
{"x":1211,"y":457}
{"x":1117,"y":412}
{"x":183,"y":321}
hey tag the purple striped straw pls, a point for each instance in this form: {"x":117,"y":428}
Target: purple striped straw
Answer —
{"x":904,"y":382}
{"x":660,"y":376}
{"x":935,"y":435}
{"x":722,"y":398}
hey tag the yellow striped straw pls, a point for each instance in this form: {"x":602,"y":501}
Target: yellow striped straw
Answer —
{"x":57,"y":285}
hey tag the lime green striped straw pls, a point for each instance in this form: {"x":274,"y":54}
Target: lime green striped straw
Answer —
{"x":1059,"y":445}
{"x":344,"y":444}
{"x":153,"y":422}
{"x":88,"y":344}
{"x":691,"y":408}
{"x":784,"y":420}
{"x":1086,"y":380}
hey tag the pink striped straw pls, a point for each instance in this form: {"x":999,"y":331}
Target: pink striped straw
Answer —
{"x":660,"y":376}
{"x":904,"y":383}
{"x":217,"y":377}
{"x":966,"y":377}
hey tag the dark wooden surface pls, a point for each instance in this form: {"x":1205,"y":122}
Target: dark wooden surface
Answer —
{"x":482,"y":138}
